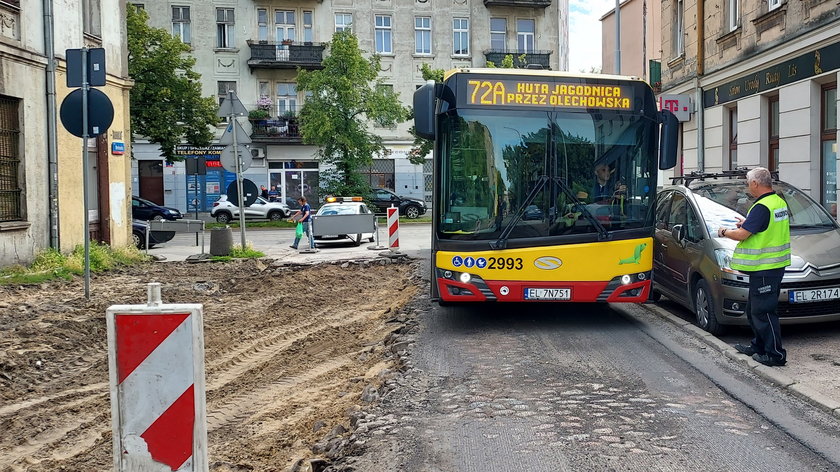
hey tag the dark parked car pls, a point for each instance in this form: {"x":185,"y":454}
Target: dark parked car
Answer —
{"x":411,"y":208}
{"x":691,"y":264}
{"x":142,"y":209}
{"x":138,"y":235}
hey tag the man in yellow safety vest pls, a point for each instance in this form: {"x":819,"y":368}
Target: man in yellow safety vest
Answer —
{"x":763,"y":252}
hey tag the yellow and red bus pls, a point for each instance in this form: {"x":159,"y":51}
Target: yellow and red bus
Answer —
{"x":519,"y":213}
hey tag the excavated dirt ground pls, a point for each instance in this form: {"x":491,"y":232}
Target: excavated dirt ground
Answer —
{"x":288,"y":354}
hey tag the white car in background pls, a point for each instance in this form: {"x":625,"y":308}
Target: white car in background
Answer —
{"x":345,"y":208}
{"x":224,"y":211}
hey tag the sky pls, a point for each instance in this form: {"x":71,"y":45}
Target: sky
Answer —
{"x":585,"y":33}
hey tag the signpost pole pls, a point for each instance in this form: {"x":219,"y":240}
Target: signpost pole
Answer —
{"x":239,"y":192}
{"x":85,"y":88}
{"x":195,"y":200}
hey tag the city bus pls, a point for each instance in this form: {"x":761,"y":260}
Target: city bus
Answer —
{"x":519,"y":213}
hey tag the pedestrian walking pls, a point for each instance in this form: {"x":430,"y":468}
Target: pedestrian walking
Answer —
{"x":763,"y":252}
{"x":304,"y":217}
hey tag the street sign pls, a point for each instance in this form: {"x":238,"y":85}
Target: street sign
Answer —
{"x":249,"y":192}
{"x":196,"y":165}
{"x":228,"y":158}
{"x":231,"y":106}
{"x":241,"y":136}
{"x":100,"y":113}
{"x":95,"y":67}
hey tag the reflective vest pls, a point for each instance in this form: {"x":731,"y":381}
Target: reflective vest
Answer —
{"x":769,"y":249}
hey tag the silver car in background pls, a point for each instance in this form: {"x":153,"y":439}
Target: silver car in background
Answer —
{"x":691,"y":264}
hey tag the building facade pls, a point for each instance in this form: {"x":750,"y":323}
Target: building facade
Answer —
{"x":763,"y":78}
{"x":40,"y":162}
{"x":641,"y":41}
{"x":255,"y":49}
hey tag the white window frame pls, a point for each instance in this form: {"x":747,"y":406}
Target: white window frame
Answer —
{"x":386,"y":32}
{"x":286,"y":102}
{"x":503,"y":34}
{"x":225,"y":28}
{"x":679,"y":26}
{"x":423,"y":35}
{"x":180,"y":25}
{"x":458,"y":29}
{"x":773,"y":4}
{"x":307,"y":25}
{"x":733,"y":14}
{"x":524,"y":37}
{"x":284,"y":25}
{"x":262,"y":24}
{"x":343,"y":25}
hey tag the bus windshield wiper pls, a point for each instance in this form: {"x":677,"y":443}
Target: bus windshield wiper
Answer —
{"x":603,"y":234}
{"x":501,"y":243}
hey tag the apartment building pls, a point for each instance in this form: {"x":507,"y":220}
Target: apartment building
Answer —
{"x":40,"y":162}
{"x":641,"y":41}
{"x":255,"y":48}
{"x":762,"y":75}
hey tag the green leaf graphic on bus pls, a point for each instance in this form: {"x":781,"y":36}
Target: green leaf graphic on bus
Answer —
{"x":637,"y":255}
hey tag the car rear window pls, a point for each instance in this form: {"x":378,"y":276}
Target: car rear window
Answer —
{"x":338,"y":210}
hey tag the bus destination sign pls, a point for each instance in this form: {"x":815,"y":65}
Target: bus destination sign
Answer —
{"x":524,"y":93}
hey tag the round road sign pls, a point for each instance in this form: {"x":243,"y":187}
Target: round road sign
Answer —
{"x":100,"y":113}
{"x":228,"y":158}
{"x":249,"y":192}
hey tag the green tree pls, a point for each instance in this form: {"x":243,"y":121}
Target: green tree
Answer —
{"x":345,"y":96}
{"x":422,"y":146}
{"x":166,"y":102}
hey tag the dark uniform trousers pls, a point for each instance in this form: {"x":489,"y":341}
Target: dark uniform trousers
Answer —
{"x":761,"y":313}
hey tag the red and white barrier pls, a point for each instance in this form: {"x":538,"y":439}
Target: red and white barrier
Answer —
{"x":394,"y":229}
{"x":156,"y":360}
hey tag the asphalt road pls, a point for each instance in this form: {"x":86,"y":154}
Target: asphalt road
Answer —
{"x":586,"y":387}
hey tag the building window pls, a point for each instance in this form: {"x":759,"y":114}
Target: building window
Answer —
{"x":383,"y":34}
{"x":773,"y":128}
{"x":286,"y":100}
{"x":224,"y":88}
{"x":10,"y":184}
{"x":525,"y":35}
{"x":388,"y":91}
{"x":380,"y":174}
{"x":343,"y":22}
{"x":284,"y":25}
{"x":498,"y":34}
{"x":733,"y":138}
{"x":679,"y":26}
{"x":307,"y":26}
{"x":422,"y":35}
{"x":262,"y":24}
{"x":139,"y":6}
{"x":773,"y":4}
{"x":181,"y":23}
{"x":264,"y":88}
{"x":92,"y":17}
{"x":733,"y":14}
{"x":828,"y":149}
{"x":224,"y":28}
{"x":461,"y":36}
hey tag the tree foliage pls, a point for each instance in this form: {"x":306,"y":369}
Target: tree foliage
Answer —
{"x":346,"y":95}
{"x":422,"y":146}
{"x":166,"y":102}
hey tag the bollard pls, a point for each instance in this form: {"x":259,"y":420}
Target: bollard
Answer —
{"x":221,"y":241}
{"x":394,"y":229}
{"x":156,"y":372}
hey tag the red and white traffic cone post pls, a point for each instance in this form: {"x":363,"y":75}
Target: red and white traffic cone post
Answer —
{"x":394,"y":229}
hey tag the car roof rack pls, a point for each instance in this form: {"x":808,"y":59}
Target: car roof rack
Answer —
{"x":740,"y":172}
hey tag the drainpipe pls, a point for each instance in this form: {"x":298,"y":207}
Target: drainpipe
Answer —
{"x":698,"y":88}
{"x":617,"y":37}
{"x":52,"y":132}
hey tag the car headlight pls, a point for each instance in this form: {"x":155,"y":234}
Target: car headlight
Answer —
{"x":724,"y":260}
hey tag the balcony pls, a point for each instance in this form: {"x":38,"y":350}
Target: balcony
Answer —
{"x":518,"y":3}
{"x":281,"y":127}
{"x":285,"y":55}
{"x":521,"y":60}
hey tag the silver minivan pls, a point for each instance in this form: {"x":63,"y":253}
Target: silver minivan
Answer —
{"x":691,"y":264}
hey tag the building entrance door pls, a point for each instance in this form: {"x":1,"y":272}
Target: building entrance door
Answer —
{"x":151,"y":180}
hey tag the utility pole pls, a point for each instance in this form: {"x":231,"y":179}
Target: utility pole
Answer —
{"x":617,"y":37}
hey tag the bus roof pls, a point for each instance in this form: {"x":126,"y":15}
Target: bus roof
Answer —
{"x":533,"y":72}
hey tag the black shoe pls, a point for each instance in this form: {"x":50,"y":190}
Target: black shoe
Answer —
{"x":768,"y":361}
{"x":293,"y":247}
{"x":745,"y":349}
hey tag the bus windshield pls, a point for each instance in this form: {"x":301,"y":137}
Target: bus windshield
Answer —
{"x":529,"y":174}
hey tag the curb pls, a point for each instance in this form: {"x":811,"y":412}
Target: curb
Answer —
{"x":771,"y":374}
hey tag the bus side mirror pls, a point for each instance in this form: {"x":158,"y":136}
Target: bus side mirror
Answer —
{"x":424,"y":111}
{"x":668,"y":137}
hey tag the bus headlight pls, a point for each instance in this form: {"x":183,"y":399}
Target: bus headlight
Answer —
{"x":465,"y":278}
{"x":625,"y":279}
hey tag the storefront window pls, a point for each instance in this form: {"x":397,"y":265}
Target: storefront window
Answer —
{"x":828,"y":141}
{"x":773,"y":159}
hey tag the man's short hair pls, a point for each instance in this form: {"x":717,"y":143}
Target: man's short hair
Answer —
{"x":302,"y":199}
{"x":761,"y":176}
